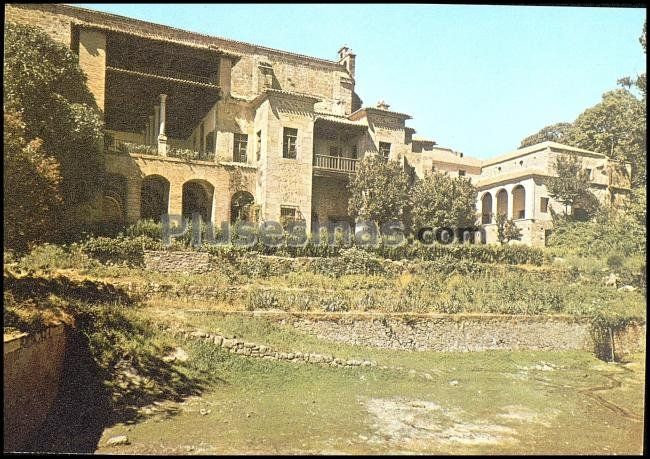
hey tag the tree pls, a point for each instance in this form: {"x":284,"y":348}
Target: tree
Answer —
{"x":31,"y":186}
{"x":558,"y":132}
{"x":571,"y":185}
{"x":45,"y":85}
{"x":442,"y":201}
{"x":507,"y":230}
{"x":379,"y":191}
{"x":616,"y":128}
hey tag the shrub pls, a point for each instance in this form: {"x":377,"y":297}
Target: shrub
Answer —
{"x":615,"y":261}
{"x":334,"y":304}
{"x":261,"y":299}
{"x":617,"y":235}
{"x":148,"y":228}
{"x":356,"y":261}
{"x":49,"y":256}
{"x":120,"y":250}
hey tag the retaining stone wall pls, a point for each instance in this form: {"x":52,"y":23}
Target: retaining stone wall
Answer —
{"x":32,"y":370}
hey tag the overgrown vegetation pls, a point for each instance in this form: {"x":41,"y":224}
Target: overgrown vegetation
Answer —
{"x":54,"y":167}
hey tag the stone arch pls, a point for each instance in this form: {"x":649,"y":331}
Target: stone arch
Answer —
{"x":502,"y":202}
{"x":518,"y":202}
{"x":154,"y":199}
{"x":240,"y":205}
{"x":114,"y":200}
{"x":486,"y":208}
{"x":197,"y":197}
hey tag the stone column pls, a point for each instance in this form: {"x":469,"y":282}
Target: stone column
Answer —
{"x":133,"y":197}
{"x":147,"y":129}
{"x":156,"y":123}
{"x":175,"y":198}
{"x":162,"y":138}
{"x":150,"y":126}
{"x":511,"y":202}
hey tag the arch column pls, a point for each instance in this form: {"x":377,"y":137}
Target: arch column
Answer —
{"x":162,"y":137}
{"x":510,"y":203}
{"x":214,"y":220}
{"x":133,"y":199}
{"x":175,"y":198}
{"x":150,"y":131}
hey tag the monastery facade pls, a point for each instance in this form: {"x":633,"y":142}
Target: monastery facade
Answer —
{"x":233,"y":130}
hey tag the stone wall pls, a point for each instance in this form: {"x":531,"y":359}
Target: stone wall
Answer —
{"x":167,"y":261}
{"x":458,"y":332}
{"x":453,"y":332}
{"x":630,"y":340}
{"x":32,"y":370}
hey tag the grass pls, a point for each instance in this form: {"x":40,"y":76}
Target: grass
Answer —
{"x":486,"y":402}
{"x":278,"y":407}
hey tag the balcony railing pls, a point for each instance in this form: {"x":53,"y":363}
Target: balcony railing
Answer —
{"x":121,"y":147}
{"x":335,"y":163}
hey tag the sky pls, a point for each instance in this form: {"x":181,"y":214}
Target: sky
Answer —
{"x":474,"y":78}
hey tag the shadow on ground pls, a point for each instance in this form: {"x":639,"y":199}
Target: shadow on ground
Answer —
{"x":112,"y":367}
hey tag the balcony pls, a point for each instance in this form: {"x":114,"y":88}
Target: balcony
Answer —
{"x":120,"y":147}
{"x":335,"y":164}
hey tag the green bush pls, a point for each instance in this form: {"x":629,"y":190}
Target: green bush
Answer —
{"x":261,"y":299}
{"x":46,"y":257}
{"x":356,"y":261}
{"x":120,"y":250}
{"x":148,"y":228}
{"x":617,"y":235}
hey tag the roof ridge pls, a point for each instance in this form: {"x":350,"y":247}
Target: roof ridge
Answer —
{"x":113,"y":16}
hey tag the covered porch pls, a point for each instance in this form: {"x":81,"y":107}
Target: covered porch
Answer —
{"x":157,"y":94}
{"x":336,"y":145}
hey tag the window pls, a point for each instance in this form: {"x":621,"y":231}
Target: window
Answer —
{"x":589,"y":173}
{"x":335,"y":150}
{"x":461,"y":173}
{"x":354,"y":151}
{"x":289,"y":214}
{"x":258,"y":146}
{"x":543,"y":204}
{"x":384,"y":149}
{"x":289,"y":149}
{"x":240,"y":145}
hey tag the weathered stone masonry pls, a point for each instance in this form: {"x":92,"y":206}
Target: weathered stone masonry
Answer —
{"x":283,"y":130}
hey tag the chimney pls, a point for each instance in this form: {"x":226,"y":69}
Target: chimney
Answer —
{"x":347,"y":59}
{"x":382,"y":105}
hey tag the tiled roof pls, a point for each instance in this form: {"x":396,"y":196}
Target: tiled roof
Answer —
{"x":512,"y":176}
{"x":162,"y":32}
{"x":340,"y":120}
{"x":539,"y":147}
{"x":445,"y":155}
{"x":380,"y":111}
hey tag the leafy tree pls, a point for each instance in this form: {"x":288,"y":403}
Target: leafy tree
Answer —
{"x":616,"y":128}
{"x":571,"y":185}
{"x":442,"y":201}
{"x":44,"y":83}
{"x":558,"y":132}
{"x":636,"y":206}
{"x":31,"y":186}
{"x":507,"y":230}
{"x":379,"y":191}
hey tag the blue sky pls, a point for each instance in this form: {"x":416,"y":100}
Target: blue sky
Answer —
{"x":474,"y":78}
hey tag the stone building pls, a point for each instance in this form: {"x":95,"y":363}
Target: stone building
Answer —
{"x":232,"y":130}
